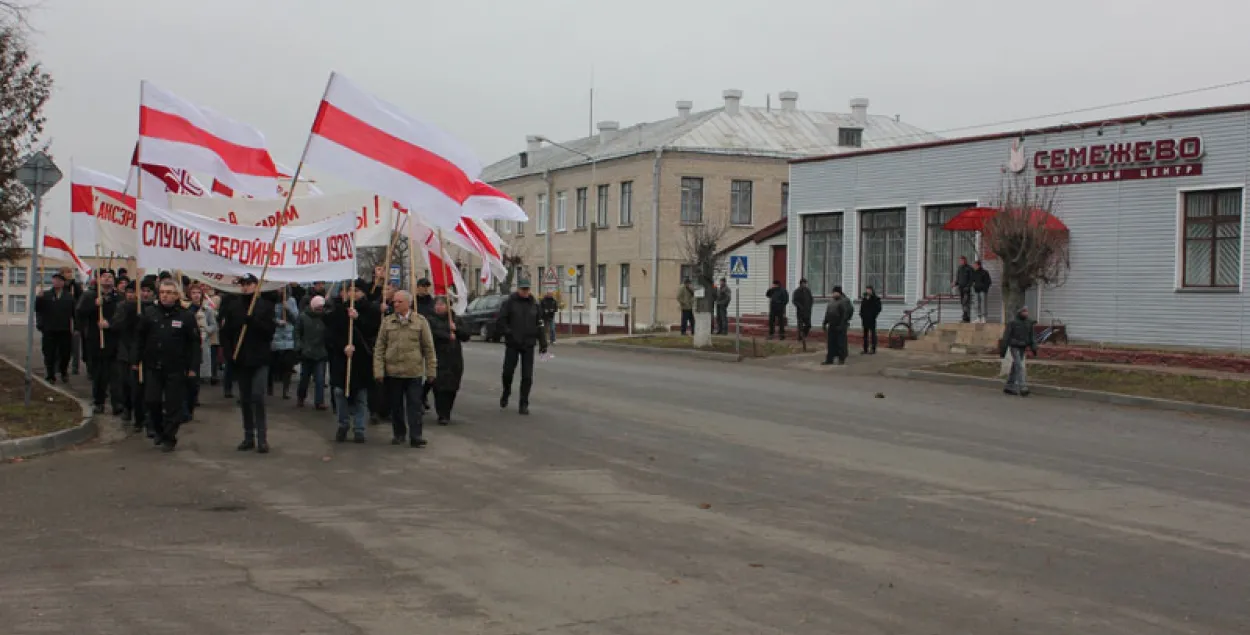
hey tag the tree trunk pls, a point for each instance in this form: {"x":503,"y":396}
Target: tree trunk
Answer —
{"x":702,"y":329}
{"x":1013,"y":299}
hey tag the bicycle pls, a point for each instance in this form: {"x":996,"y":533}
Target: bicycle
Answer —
{"x":1056,"y":331}
{"x":909,"y":328}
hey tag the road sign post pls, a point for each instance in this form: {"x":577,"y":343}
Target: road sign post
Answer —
{"x":395,"y":275}
{"x":738,"y":270}
{"x":39,"y":174}
{"x":570,"y":277}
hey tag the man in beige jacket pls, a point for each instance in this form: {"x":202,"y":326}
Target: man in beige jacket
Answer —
{"x":403,"y":360}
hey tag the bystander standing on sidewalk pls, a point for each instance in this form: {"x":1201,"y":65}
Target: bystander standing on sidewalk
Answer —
{"x":981,"y":288}
{"x":723,"y":297}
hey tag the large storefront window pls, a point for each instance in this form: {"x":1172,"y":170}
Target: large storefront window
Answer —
{"x":943,"y":248}
{"x":1212,"y":239}
{"x":883,"y":251}
{"x":822,"y":252}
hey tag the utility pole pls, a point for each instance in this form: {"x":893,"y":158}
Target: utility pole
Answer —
{"x":594,"y":277}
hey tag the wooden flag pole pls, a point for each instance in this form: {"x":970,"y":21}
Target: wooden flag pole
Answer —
{"x":238,"y":346}
{"x":442,"y":256}
{"x":139,"y":291}
{"x":390,"y":250}
{"x":412,"y":263}
{"x":351,"y":337}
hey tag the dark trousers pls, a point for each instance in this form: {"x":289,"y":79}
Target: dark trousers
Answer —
{"x":252,"y":384}
{"x":138,"y":400}
{"x":777,"y":321}
{"x":425,"y":394}
{"x":227,"y":376}
{"x":215,"y":364}
{"x":805,"y":322}
{"x":687,"y":317}
{"x":965,"y":302}
{"x":379,"y":401}
{"x":835,"y":345}
{"x":870,"y":336}
{"x":58,"y":347}
{"x":193,"y":397}
{"x":722,"y":319}
{"x":165,"y":394}
{"x":105,"y":384}
{"x":525,"y":355}
{"x":443,"y":402}
{"x":316,"y":371}
{"x":75,"y":348}
{"x":406,"y":409}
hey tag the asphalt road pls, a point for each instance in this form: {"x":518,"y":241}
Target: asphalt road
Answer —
{"x":649,"y":495}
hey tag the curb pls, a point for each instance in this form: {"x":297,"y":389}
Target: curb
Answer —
{"x":1074,"y":393}
{"x":676,"y":352}
{"x":53,"y":441}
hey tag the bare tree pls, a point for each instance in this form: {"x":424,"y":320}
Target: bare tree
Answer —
{"x":1027,"y":239}
{"x":24,"y":89}
{"x":514,"y":255}
{"x":699,"y":248}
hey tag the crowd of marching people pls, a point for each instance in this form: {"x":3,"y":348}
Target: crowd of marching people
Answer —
{"x":366,"y":350}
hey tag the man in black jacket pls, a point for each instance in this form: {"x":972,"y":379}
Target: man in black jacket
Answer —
{"x":166,"y":343}
{"x":251,"y":367}
{"x":54,"y":315}
{"x":550,"y":306}
{"x":837,"y":320}
{"x":352,"y":356}
{"x":803,"y":301}
{"x":126,"y":323}
{"x":1018,"y":336}
{"x":869,"y":309}
{"x":778,"y":298}
{"x":520,"y":326}
{"x":981,"y":287}
{"x":95,"y":309}
{"x":963,"y":280}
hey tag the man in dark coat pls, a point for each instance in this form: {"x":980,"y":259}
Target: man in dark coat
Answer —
{"x":981,"y":282}
{"x":869,"y":309}
{"x":837,"y":320}
{"x":126,"y":321}
{"x":54,"y":316}
{"x":251,"y":367}
{"x":95,"y":309}
{"x":723,"y":297}
{"x":448,"y":333}
{"x":165,"y":344}
{"x":964,"y":276}
{"x":551,"y":307}
{"x":352,"y":353}
{"x":520,"y":326}
{"x":1018,"y":336}
{"x":802,"y":300}
{"x":778,"y":298}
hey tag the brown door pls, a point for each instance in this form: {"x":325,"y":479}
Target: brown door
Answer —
{"x":778,"y":270}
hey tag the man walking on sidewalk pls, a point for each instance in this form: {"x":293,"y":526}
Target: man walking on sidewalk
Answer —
{"x":166,"y":343}
{"x":54,"y":315}
{"x":778,"y":298}
{"x":963,"y":280}
{"x":520,"y":326}
{"x":550,"y":307}
{"x":251,"y":368}
{"x":95,"y":309}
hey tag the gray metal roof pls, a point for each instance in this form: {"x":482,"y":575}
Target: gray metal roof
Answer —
{"x":753,"y":131}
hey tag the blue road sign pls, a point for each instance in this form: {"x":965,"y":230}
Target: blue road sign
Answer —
{"x":738,"y":267}
{"x":394,"y":277}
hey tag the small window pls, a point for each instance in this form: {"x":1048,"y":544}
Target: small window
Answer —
{"x":544,"y":215}
{"x":687,"y":273}
{"x":822,"y":252}
{"x":1212,"y":240}
{"x":624,"y":285}
{"x":601,"y":284}
{"x":17,"y":276}
{"x":17,"y":304}
{"x":850,"y":137}
{"x":561,"y":211}
{"x":518,"y":226}
{"x":601,"y":209}
{"x":740,"y":203}
{"x":691,"y":200}
{"x":785,"y":200}
{"x":627,"y":203}
{"x":581,"y":208}
{"x":580,"y":291}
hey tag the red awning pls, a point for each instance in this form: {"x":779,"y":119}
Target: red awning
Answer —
{"x":973,"y":219}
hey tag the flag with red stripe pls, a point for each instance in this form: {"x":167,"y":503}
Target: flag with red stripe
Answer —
{"x":57,"y":248}
{"x":488,"y":203}
{"x":177,"y":133}
{"x":375,"y":145}
{"x":443,"y":273}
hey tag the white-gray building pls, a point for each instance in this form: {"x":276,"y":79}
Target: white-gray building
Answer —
{"x":1154,"y":205}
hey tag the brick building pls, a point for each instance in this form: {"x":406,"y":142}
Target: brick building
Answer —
{"x":726,"y":165}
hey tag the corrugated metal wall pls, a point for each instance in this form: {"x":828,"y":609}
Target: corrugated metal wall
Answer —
{"x":759,"y":262}
{"x":1123,"y":282}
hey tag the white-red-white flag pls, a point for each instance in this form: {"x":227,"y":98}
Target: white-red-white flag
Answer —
{"x":85,"y":184}
{"x":159,"y":180}
{"x":54,"y":247}
{"x":374,"y":144}
{"x":443,"y":273}
{"x":488,"y":203}
{"x":177,"y":133}
{"x":309,"y":187}
{"x":471,"y":230}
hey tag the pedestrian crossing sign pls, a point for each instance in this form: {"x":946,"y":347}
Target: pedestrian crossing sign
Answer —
{"x":738,"y":267}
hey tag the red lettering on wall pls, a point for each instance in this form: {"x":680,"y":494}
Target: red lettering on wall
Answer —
{"x":1039,"y":160}
{"x":1191,"y":148}
{"x":1078,"y":157}
{"x":1098,"y":155}
{"x":1165,"y":150}
{"x":1142,"y":151}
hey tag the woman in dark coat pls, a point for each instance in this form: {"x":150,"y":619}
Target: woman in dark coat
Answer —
{"x":352,"y":409}
{"x":448,"y":335}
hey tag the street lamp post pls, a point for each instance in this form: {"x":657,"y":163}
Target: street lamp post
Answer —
{"x":39,"y":174}
{"x":594,"y":266}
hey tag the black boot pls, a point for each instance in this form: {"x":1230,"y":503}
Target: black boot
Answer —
{"x":247,"y":445}
{"x":524,"y":409}
{"x":340,"y":436}
{"x":503,"y":401}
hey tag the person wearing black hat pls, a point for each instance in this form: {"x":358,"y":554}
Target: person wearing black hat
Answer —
{"x":350,"y":333}
{"x":520,"y":325}
{"x":166,"y":344}
{"x":54,"y":316}
{"x":837,"y":320}
{"x":126,"y":321}
{"x":251,"y":367}
{"x":424,"y":301}
{"x":95,"y":309}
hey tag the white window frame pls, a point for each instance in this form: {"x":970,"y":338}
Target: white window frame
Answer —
{"x":1178,"y":281}
{"x":800,"y":248}
{"x":681,"y":184}
{"x":14,"y":299}
{"x":603,"y":198}
{"x":859,"y":245}
{"x":14,"y":270}
{"x":580,"y":290}
{"x":923,"y":240}
{"x":562,"y":211}
{"x":601,"y":281}
{"x":623,"y":273}
{"x":544,"y":214}
{"x":626,"y":205}
{"x":582,"y":205}
{"x":735,"y":202}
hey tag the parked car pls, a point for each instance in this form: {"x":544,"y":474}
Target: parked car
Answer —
{"x":481,"y":316}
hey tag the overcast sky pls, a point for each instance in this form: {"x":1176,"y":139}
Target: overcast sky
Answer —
{"x":494,"y":71}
